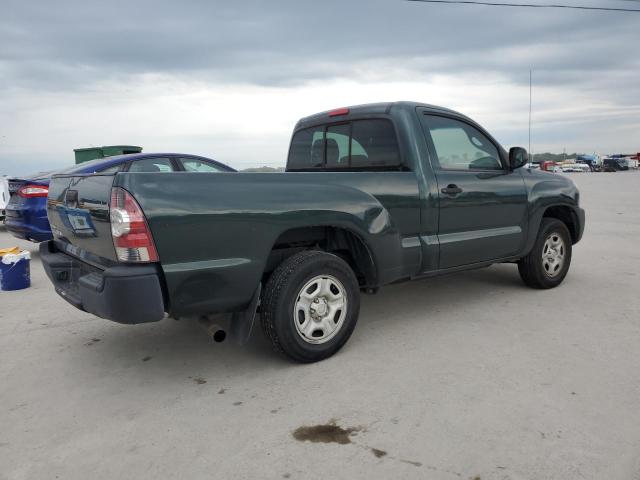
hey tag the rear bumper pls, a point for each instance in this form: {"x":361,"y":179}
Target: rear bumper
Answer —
{"x":27,"y":222}
{"x":27,"y":232}
{"x":125,"y":293}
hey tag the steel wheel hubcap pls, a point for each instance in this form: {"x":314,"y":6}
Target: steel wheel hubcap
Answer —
{"x":553,"y":255}
{"x":320,"y":309}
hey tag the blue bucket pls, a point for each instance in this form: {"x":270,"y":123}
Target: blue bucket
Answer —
{"x":15,"y":272}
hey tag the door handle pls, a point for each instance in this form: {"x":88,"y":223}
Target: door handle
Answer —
{"x":451,"y":189}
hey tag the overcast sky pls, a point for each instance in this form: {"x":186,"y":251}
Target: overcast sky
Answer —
{"x":228,"y":79}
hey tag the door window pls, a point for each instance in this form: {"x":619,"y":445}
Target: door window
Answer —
{"x":460,"y":146}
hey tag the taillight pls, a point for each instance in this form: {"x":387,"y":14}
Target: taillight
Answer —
{"x":131,"y":234}
{"x":30,"y":191}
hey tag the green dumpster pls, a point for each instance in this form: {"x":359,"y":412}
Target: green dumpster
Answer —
{"x":91,"y":153}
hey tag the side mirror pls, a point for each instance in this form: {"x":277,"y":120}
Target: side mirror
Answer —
{"x":517,"y":157}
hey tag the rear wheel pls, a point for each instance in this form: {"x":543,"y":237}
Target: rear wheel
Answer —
{"x":310,"y":306}
{"x":548,"y":262}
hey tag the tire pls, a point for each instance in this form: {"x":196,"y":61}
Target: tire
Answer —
{"x":302,"y":313}
{"x":548,"y":262}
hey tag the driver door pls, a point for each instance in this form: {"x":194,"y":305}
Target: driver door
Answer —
{"x":482,"y":203}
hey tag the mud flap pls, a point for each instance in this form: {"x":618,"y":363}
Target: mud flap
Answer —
{"x":242,"y":322}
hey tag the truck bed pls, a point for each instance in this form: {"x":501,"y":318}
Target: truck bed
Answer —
{"x":214,"y":232}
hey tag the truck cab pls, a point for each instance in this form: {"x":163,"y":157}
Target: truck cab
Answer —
{"x":469,"y":205}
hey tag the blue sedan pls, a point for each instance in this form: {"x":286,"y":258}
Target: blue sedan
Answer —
{"x":26,"y":213}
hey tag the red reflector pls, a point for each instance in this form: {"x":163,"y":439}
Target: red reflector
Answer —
{"x":30,"y":191}
{"x":339,"y":111}
{"x":131,"y":235}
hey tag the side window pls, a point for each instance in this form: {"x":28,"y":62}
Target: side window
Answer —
{"x":338,"y":145}
{"x":307,"y":148}
{"x":357,"y":144}
{"x":159,"y":164}
{"x":112,"y":169}
{"x":460,"y":146}
{"x":197,"y":165}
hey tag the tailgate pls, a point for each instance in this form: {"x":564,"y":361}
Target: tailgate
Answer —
{"x":78,"y":211}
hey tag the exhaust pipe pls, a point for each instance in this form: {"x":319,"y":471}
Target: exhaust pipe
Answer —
{"x":215,"y":331}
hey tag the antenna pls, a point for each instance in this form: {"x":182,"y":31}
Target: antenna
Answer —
{"x":530,"y":98}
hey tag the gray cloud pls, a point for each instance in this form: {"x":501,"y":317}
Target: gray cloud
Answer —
{"x":73,"y":43}
{"x":72,"y":49}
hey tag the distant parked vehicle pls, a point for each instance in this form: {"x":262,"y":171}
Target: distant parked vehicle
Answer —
{"x":615,"y":164}
{"x":26,"y":213}
{"x":593,"y":161}
{"x":575,"y":167}
{"x":4,"y":195}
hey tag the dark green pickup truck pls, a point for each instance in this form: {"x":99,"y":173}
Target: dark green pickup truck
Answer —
{"x":372,"y":195}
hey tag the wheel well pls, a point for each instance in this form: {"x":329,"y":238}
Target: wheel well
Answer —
{"x":566,"y":216}
{"x":339,"y":241}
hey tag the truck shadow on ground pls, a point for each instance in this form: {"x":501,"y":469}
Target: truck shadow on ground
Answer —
{"x":183,"y":345}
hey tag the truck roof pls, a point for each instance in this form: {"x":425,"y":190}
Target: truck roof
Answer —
{"x":374,"y":109}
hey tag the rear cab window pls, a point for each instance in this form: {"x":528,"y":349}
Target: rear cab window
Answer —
{"x":368,"y":144}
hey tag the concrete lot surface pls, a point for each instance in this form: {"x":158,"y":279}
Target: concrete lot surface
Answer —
{"x":467,"y":376}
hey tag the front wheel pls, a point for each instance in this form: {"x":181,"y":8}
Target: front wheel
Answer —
{"x":548,"y":262}
{"x":310,"y":306}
